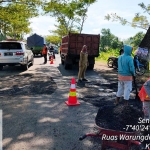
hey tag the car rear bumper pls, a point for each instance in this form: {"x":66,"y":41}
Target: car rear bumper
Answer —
{"x":15,"y":61}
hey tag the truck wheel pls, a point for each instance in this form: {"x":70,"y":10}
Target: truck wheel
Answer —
{"x":66,"y":66}
{"x":1,"y":67}
{"x":91,"y":66}
{"x":62,"y":62}
{"x":70,"y":67}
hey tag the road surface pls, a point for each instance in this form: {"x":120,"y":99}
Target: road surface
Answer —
{"x":35,"y":121}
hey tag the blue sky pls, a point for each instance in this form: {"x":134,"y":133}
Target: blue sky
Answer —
{"x":95,"y":21}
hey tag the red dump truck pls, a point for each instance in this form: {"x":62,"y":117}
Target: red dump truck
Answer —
{"x":72,"y":45}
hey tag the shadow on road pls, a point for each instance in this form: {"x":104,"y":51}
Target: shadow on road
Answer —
{"x":74,"y":71}
{"x":11,"y":70}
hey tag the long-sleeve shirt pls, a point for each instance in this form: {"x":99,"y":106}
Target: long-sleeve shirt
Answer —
{"x":83,"y":59}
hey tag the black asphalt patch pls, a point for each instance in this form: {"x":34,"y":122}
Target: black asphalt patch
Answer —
{"x":120,"y":118}
{"x":27,"y":84}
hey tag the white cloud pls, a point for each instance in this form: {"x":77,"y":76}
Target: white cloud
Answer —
{"x":95,"y":18}
{"x":42,"y":25}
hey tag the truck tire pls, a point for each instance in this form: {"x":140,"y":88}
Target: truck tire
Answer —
{"x":1,"y":67}
{"x":70,"y":66}
{"x":62,"y":62}
{"x":66,"y":66}
{"x":91,"y":66}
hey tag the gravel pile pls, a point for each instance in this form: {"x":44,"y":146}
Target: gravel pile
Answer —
{"x":27,"y":84}
{"x":117,"y":117}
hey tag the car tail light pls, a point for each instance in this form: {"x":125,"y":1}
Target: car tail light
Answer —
{"x":0,"y":54}
{"x":19,"y":53}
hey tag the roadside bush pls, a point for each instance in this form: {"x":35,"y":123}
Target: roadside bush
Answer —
{"x":104,"y":55}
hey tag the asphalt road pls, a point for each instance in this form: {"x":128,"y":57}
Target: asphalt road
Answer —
{"x":44,"y":121}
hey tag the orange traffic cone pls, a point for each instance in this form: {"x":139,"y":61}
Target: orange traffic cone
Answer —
{"x":51,"y":60}
{"x":72,"y":100}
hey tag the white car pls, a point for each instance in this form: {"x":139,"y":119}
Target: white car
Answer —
{"x":15,"y":53}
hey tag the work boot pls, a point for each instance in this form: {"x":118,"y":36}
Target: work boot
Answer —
{"x":79,"y":80}
{"x":126,"y":103}
{"x":84,"y":79}
{"x":117,"y":100}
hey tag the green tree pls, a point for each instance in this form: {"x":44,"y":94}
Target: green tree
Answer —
{"x":70,"y":15}
{"x":139,"y":20}
{"x":136,"y":40}
{"x":15,"y":15}
{"x":53,"y":39}
{"x":109,"y":41}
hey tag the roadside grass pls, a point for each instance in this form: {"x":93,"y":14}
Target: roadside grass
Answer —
{"x":105,"y":55}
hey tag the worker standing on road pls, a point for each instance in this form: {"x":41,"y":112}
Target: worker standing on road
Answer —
{"x":126,"y":71}
{"x":83,"y":63}
{"x":51,"y":50}
{"x":44,"y":53}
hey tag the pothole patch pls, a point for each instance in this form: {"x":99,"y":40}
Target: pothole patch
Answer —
{"x":27,"y":84}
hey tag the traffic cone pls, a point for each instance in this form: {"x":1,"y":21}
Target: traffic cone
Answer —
{"x":72,"y":100}
{"x":51,"y":60}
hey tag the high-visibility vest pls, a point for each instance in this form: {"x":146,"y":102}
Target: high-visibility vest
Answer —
{"x":44,"y":51}
{"x":144,"y":93}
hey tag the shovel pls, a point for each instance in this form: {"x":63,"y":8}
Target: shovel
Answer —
{"x":135,"y":85}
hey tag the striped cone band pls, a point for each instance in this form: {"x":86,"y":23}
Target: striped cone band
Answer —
{"x":72,"y":99}
{"x":72,"y":94}
{"x":72,"y":90}
{"x":73,"y":86}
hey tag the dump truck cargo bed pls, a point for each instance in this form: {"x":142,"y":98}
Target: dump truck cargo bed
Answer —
{"x":72,"y":45}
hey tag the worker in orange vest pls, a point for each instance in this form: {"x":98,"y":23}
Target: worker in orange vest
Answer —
{"x":44,"y":53}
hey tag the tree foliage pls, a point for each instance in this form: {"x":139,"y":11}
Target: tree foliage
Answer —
{"x":139,"y":20}
{"x":15,"y":15}
{"x":135,"y":40}
{"x":70,"y":15}
{"x":109,"y":41}
{"x":53,"y":39}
